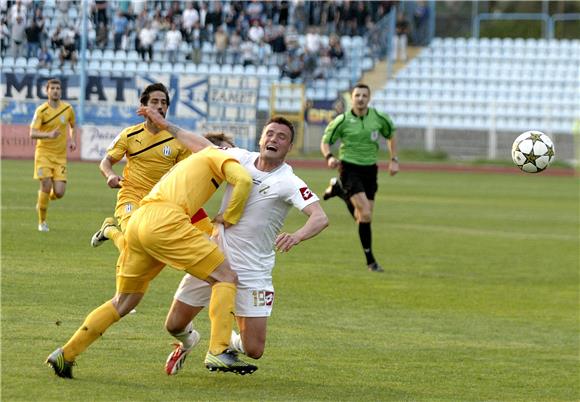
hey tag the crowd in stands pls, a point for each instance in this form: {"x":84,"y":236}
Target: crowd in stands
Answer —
{"x":240,"y":32}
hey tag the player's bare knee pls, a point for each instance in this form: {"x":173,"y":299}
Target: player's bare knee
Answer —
{"x":59,"y":194}
{"x":254,"y":351}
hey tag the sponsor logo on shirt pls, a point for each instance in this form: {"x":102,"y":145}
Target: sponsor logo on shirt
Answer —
{"x":306,"y":193}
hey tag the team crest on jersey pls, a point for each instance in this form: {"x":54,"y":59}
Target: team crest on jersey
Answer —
{"x":166,"y":150}
{"x":375,"y":135}
{"x":128,"y":207}
{"x":306,"y":193}
{"x":62,"y":120}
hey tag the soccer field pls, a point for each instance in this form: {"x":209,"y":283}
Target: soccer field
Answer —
{"x":479,"y":300}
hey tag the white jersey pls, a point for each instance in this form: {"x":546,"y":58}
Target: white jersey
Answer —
{"x":249,"y":244}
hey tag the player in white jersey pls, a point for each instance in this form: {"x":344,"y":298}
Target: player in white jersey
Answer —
{"x":250,"y":245}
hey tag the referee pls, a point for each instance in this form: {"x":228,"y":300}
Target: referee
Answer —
{"x":359,"y":131}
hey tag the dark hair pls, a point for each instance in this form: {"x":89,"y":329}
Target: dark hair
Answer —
{"x":284,"y":121}
{"x":361,"y":85}
{"x":217,"y":138}
{"x":54,"y":81}
{"x":152,"y":88}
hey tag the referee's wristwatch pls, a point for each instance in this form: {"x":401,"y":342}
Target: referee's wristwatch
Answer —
{"x":395,"y":159}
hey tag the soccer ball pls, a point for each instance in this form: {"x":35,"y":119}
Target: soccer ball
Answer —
{"x":533,"y":151}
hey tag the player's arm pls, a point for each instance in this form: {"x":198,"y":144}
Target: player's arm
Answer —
{"x":394,"y":163}
{"x":316,"y":223}
{"x":192,"y":141}
{"x":106,"y":167}
{"x":329,"y":137}
{"x":73,"y":134}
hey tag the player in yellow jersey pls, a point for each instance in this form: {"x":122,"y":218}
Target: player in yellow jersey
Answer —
{"x":49,"y":127}
{"x":150,"y":153}
{"x":159,"y":233}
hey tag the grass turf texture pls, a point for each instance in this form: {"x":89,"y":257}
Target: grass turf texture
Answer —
{"x":479,"y":300}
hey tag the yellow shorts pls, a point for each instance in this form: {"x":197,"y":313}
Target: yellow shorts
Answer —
{"x":160,"y":234}
{"x":49,"y":166}
{"x":124,"y":210}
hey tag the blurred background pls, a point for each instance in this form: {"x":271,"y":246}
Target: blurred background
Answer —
{"x":460,"y":79}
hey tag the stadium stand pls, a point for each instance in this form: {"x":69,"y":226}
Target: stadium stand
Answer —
{"x":483,"y":83}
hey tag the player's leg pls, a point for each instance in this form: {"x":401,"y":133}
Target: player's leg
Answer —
{"x":136,"y":271}
{"x":176,"y":242}
{"x":42,"y":203}
{"x":363,"y":212}
{"x":179,"y":324}
{"x":252,"y":338}
{"x":58,"y":189}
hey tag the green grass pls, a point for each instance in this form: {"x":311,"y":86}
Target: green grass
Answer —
{"x":479,"y":301}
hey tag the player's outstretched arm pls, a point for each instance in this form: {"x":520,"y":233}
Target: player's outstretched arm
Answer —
{"x":316,"y":223}
{"x":106,"y":167}
{"x":192,"y":141}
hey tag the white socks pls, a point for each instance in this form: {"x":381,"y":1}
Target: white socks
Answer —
{"x":236,"y":343}
{"x":189,"y":337}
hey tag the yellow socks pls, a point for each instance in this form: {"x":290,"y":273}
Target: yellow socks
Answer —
{"x":94,"y":326}
{"x":42,"y":205}
{"x":222,"y":319}
{"x":114,"y":234}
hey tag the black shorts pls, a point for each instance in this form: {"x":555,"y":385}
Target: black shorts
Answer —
{"x":359,"y":179}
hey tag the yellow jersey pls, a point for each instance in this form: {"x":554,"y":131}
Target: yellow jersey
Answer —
{"x":47,"y":119}
{"x":149,"y":157}
{"x":191,"y":183}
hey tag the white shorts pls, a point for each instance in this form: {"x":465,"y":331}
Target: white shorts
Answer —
{"x":250,"y":301}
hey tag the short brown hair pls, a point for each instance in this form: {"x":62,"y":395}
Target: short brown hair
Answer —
{"x":152,"y":88}
{"x":361,"y":85}
{"x":284,"y":121}
{"x":217,"y":138}
{"x":53,"y":81}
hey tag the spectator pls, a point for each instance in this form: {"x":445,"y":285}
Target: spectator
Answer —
{"x":17,"y":10}
{"x":325,"y":65}
{"x":400,"y":39}
{"x":173,"y":41}
{"x":101,"y":12}
{"x":215,"y":17}
{"x":5,"y":36}
{"x":221,"y":44}
{"x":248,"y":55}
{"x":68,"y":51}
{"x":263,"y":52}
{"x":33,"y":36}
{"x":312,"y":41}
{"x":120,"y":28}
{"x":18,"y":36}
{"x":190,"y":17}
{"x":196,"y":41}
{"x":278,"y":43}
{"x":102,"y":36}
{"x":293,"y":67}
{"x":361,"y":19}
{"x":174,"y":13}
{"x":56,"y":38}
{"x":254,"y":10}
{"x":146,"y":38}
{"x":235,"y":46}
{"x":283,"y":13}
{"x":256,"y":32}
{"x":421,"y":19}
{"x":336,"y":51}
{"x":44,"y":57}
